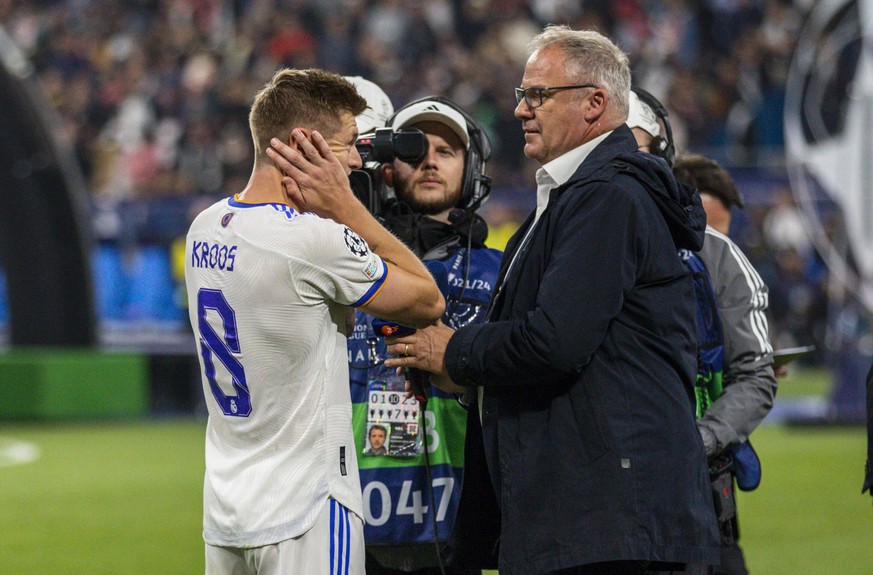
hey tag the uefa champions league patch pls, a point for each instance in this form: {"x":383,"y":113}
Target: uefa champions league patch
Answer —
{"x":355,"y":243}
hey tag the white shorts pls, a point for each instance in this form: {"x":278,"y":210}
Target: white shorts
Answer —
{"x":334,"y":546}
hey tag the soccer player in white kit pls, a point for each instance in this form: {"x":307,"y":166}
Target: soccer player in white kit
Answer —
{"x":269,"y":291}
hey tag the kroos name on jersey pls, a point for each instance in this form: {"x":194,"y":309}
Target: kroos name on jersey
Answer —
{"x":214,"y":256}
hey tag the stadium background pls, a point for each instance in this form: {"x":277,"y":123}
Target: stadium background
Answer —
{"x":145,"y":104}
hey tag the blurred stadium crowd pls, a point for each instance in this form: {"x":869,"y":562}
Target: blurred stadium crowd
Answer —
{"x":154,"y":93}
{"x":152,"y":98}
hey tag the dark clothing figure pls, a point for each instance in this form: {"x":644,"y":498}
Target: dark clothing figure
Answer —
{"x":586,"y":366}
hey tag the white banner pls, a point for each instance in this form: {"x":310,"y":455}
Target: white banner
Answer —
{"x":829,"y":135}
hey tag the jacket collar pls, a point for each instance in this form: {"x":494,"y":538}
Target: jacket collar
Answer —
{"x":562,"y":168}
{"x":620,"y":141}
{"x":679,"y":204}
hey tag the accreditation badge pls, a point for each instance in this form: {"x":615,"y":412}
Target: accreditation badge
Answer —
{"x":393,"y":427}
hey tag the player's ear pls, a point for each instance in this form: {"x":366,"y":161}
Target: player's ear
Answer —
{"x":294,"y":144}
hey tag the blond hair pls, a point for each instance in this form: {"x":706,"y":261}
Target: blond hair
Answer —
{"x":313,"y":99}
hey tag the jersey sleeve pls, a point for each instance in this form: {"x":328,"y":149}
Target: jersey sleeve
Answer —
{"x":336,"y":263}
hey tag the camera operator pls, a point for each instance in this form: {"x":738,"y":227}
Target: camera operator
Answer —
{"x":412,"y":495}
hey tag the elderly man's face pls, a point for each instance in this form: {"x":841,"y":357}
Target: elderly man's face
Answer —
{"x":557,"y":126}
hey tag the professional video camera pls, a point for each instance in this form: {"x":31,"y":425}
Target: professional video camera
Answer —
{"x":385,"y":145}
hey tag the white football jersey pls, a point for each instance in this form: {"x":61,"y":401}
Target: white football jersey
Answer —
{"x":268,"y":290}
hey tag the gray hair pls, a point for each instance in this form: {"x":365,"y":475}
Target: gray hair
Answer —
{"x":591,"y":57}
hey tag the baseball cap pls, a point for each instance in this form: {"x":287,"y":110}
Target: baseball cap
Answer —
{"x":432,"y":111}
{"x":641,"y":115}
{"x":380,"y":106}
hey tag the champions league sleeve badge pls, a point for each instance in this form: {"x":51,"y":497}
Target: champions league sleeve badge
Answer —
{"x":355,"y":243}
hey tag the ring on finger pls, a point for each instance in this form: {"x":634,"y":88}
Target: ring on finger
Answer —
{"x":406,"y":350}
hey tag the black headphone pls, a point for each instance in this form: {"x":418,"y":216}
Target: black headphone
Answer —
{"x":659,"y":146}
{"x":475,"y":185}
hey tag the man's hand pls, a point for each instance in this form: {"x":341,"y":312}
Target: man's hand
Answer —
{"x":315,"y":180}
{"x":425,"y":349}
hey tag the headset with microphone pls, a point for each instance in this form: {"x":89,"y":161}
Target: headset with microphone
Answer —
{"x":662,"y":146}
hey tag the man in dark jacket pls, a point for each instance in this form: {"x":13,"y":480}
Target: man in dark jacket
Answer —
{"x":585,"y":366}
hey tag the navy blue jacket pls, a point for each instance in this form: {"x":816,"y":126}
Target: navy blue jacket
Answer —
{"x":587,"y":362}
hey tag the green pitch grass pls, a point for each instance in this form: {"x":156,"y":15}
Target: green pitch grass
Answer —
{"x":808,"y":515}
{"x":125,"y":499}
{"x":104,"y":499}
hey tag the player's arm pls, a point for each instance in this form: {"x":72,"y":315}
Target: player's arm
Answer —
{"x":406,"y":298}
{"x":749,"y":382}
{"x":317,"y":182}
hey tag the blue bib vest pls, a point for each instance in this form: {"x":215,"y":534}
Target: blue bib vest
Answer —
{"x":710,"y":346}
{"x":394,"y":478}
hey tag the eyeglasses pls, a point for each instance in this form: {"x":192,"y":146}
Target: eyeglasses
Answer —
{"x":535,"y":96}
